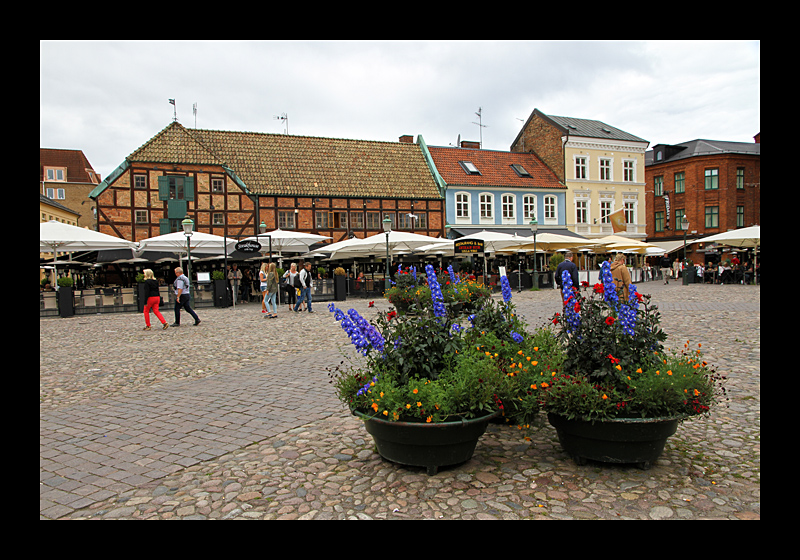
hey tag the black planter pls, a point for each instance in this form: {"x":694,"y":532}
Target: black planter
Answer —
{"x":426,"y":445}
{"x":221,"y":297}
{"x":619,"y":440}
{"x":339,"y":288}
{"x":141,"y":299}
{"x":66,"y":302}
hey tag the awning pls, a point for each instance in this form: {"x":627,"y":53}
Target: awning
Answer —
{"x":672,"y":246}
{"x":522,"y":231}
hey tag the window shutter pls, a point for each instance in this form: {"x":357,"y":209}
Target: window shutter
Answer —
{"x":163,"y":188}
{"x":188,"y":188}
{"x":163,"y":225}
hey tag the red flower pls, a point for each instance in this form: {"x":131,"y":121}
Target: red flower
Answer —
{"x":613,"y":359}
{"x":391,"y":315}
{"x":598,"y":289}
{"x":371,"y":304}
{"x":555,"y":319}
{"x":610,"y":321}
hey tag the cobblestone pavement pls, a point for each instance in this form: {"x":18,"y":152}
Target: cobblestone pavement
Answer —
{"x":235,"y":419}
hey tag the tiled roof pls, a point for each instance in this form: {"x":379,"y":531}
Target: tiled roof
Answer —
{"x":593,"y":129}
{"x":299,"y":165}
{"x":74,"y":160}
{"x":494,"y":167}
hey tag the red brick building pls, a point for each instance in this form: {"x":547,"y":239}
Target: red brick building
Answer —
{"x":67,"y":177}
{"x":716,"y":185}
{"x":230,"y":182}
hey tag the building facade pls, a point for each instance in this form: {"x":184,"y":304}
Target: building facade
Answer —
{"x":66,"y":177}
{"x":715,"y":184}
{"x":497,"y":191}
{"x":602,"y":167}
{"x":231,"y":182}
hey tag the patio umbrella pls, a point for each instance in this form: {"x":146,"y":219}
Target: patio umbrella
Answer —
{"x":376,"y":244}
{"x":743,"y":237}
{"x":553,"y":242}
{"x":56,"y":236}
{"x":283,"y":239}
{"x":202,"y":243}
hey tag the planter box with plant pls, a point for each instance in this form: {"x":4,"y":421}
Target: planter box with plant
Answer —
{"x":66,"y":302}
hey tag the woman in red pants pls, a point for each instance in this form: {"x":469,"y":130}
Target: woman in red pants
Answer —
{"x":152,"y":299}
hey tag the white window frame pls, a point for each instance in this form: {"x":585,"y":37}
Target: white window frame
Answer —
{"x":56,"y":194}
{"x":508,"y":208}
{"x":528,"y":208}
{"x":629,"y":170}
{"x":607,"y":166}
{"x":464,"y":206}
{"x":486,"y":207}
{"x":581,"y":166}
{"x":582,"y":206}
{"x":550,"y":209}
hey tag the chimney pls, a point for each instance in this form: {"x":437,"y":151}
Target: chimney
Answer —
{"x":757,"y":138}
{"x":407,"y":139}
{"x":470,"y":144}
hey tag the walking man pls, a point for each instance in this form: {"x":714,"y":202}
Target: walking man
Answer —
{"x":182,"y":286}
{"x":305,"y":291}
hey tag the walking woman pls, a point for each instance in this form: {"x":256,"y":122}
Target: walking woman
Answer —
{"x":262,"y":277}
{"x":272,"y":292}
{"x":152,"y":299}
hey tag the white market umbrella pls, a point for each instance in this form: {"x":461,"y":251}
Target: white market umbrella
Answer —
{"x":283,"y":239}
{"x":376,"y":244}
{"x":56,"y":236}
{"x":202,"y":243}
{"x":743,"y":237}
{"x":553,"y":242}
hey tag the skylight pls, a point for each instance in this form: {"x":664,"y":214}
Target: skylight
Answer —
{"x":521,"y":171}
{"x":469,"y":167}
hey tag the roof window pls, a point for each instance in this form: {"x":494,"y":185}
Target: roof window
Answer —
{"x":521,"y":171}
{"x":469,"y":167}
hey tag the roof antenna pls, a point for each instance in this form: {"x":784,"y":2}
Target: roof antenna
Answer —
{"x":194,"y":110}
{"x":174,"y":110}
{"x":283,"y":117}
{"x":482,"y":126}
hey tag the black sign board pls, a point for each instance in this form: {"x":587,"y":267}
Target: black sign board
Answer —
{"x":248,"y":246}
{"x":467,"y":246}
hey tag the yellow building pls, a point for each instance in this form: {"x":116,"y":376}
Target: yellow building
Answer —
{"x":602,"y":166}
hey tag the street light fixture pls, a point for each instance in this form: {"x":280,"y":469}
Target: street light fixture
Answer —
{"x":187,"y":224}
{"x":534,"y":228}
{"x":387,"y":227}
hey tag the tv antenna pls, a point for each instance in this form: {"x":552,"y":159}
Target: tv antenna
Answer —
{"x":194,"y":110}
{"x":479,"y":123}
{"x":283,"y":117}
{"x":174,"y":110}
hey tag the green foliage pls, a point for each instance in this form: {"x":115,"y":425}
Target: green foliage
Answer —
{"x":66,"y":281}
{"x":217,"y":275}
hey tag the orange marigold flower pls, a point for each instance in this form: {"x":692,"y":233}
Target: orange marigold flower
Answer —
{"x":415,"y":391}
{"x":605,"y":396}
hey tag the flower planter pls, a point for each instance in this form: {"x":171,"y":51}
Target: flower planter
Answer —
{"x":618,"y":440}
{"x":426,"y":445}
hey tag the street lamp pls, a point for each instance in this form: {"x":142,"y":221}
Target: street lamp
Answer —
{"x":387,"y":227}
{"x":187,"y":224}
{"x":534,"y":228}
{"x":685,"y":226}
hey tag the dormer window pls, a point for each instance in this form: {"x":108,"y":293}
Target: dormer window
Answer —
{"x":55,"y":173}
{"x":469,"y":167}
{"x":521,"y":171}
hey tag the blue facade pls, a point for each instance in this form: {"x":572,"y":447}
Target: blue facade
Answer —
{"x":549,"y":206}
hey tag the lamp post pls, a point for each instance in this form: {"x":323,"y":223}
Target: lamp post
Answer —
{"x":187,"y":224}
{"x":685,"y":226}
{"x":387,"y":227}
{"x":534,"y":228}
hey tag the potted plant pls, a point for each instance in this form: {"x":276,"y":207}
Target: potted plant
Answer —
{"x":221,"y":298}
{"x":430,"y":382}
{"x":140,"y":291}
{"x":339,"y":284}
{"x":618,"y":395}
{"x":66,"y":303}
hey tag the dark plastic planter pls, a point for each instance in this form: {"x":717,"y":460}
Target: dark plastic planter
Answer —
{"x":619,"y":440}
{"x":426,"y":445}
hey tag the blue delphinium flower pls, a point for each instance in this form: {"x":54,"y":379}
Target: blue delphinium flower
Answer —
{"x":414,"y":272}
{"x":629,"y":312}
{"x":365,"y":388}
{"x":453,"y":277}
{"x":570,"y":300}
{"x":505,"y":288}
{"x":456,"y":328}
{"x":363,"y":335}
{"x":609,"y":287}
{"x":518,"y":338}
{"x":436,"y":292}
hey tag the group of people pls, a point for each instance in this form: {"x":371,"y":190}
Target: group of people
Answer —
{"x":270,"y":284}
{"x":619,"y":273}
{"x":182,"y":288}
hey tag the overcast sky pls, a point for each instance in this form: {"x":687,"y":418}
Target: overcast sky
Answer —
{"x":109,"y":98}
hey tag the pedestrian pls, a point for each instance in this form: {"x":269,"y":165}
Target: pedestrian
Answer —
{"x":666,"y":266}
{"x":291,"y":294}
{"x":272,"y":291}
{"x":262,"y":277}
{"x":569,"y":266}
{"x":621,"y":276}
{"x":182,"y":287}
{"x":234,"y":277}
{"x":152,"y":299}
{"x":305,"y":291}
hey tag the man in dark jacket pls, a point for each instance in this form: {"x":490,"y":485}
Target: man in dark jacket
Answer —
{"x":568,"y":265}
{"x":666,"y":266}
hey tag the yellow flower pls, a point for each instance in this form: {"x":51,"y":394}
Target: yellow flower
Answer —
{"x":638,"y":370}
{"x":381,"y":394}
{"x":519,"y":352}
{"x":375,"y":407}
{"x":533,"y":387}
{"x":605,"y":396}
{"x":619,"y":368}
{"x":429,"y":418}
{"x":534,"y":363}
{"x":386,"y":413}
{"x":669,"y":372}
{"x":408,"y":405}
{"x":419,"y":404}
{"x":415,"y":391}
{"x":535,"y":348}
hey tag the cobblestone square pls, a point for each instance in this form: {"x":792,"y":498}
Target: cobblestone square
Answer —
{"x":235,"y":418}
